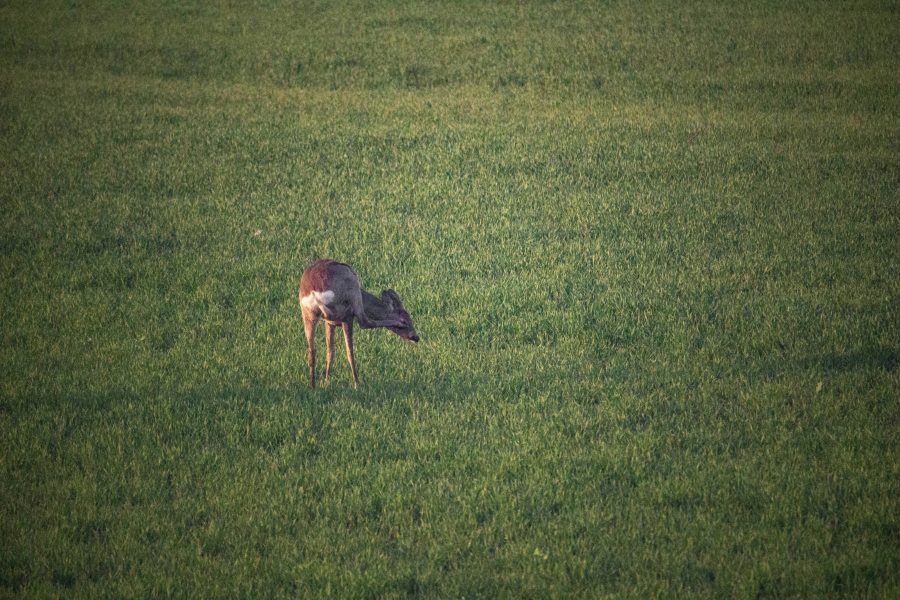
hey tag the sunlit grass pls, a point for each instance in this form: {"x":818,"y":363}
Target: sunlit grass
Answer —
{"x":650,"y":251}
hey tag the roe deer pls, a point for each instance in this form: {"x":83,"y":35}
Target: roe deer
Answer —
{"x":330,"y":290}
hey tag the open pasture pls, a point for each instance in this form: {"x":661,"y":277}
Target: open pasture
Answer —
{"x":651,"y":250}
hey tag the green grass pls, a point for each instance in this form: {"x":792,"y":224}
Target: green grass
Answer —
{"x":651,"y":250}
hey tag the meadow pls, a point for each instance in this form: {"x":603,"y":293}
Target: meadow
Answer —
{"x":651,"y":250}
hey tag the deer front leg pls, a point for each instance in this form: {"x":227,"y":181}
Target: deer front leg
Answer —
{"x":348,"y":341}
{"x":329,"y":348}
{"x":309,"y":327}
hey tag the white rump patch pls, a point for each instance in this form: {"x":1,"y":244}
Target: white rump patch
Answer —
{"x":317,"y":299}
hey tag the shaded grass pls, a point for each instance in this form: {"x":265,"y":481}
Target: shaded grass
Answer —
{"x":650,"y":252}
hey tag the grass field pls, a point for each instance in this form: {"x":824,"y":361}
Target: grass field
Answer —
{"x":651,"y":250}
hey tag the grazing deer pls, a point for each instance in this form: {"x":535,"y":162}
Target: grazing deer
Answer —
{"x":330,"y":290}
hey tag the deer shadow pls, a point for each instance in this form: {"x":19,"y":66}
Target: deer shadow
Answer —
{"x":878,"y":358}
{"x":875,"y":358}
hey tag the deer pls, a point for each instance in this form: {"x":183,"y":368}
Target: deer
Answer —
{"x":330,"y":291}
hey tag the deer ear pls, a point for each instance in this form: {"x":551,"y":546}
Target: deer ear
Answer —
{"x":391,"y":296}
{"x":387,"y":296}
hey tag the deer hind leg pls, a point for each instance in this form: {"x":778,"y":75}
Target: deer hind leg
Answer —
{"x":329,"y":348}
{"x":309,"y":327}
{"x":348,"y":341}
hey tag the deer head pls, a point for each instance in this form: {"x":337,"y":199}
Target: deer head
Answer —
{"x":404,"y":328}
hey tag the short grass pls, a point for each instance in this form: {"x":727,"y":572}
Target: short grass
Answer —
{"x":651,"y":249}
